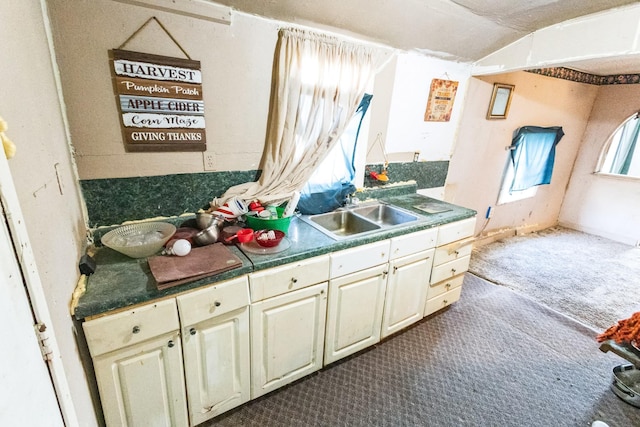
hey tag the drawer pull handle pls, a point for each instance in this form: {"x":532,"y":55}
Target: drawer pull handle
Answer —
{"x":135,"y":329}
{"x":395,"y":268}
{"x":453,"y":270}
{"x":217,"y":303}
{"x":456,"y":252}
{"x":445,"y":302}
{"x":170,"y":343}
{"x":294,"y":280}
{"x":448,"y":285}
{"x":192,"y":331}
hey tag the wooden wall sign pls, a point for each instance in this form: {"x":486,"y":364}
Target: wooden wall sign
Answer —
{"x":160,"y":102}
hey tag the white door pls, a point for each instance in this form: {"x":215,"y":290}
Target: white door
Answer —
{"x":287,"y":334}
{"x":216,"y":364}
{"x":143,"y":384}
{"x":27,"y":396}
{"x":355,"y":312}
{"x":406,"y":291}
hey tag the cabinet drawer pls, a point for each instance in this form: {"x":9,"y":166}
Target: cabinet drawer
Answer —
{"x":289,"y":277}
{"x":131,"y":327}
{"x":449,"y":269}
{"x":453,"y":251}
{"x":412,"y":243}
{"x":445,"y":286}
{"x":455,"y":231}
{"x":213,"y":300}
{"x":441,"y":301}
{"x":355,"y":259}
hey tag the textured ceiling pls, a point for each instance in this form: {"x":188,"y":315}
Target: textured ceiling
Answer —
{"x":465,"y":30}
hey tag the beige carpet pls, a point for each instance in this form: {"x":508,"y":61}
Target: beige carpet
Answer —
{"x":589,"y":278}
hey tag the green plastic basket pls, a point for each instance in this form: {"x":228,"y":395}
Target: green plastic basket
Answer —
{"x":258,"y":223}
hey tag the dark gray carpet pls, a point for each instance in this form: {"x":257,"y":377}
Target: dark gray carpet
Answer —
{"x":592,"y":279}
{"x":494,"y":358}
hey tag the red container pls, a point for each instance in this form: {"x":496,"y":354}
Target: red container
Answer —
{"x":262,"y":240}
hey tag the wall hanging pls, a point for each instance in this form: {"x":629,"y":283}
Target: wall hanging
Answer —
{"x":440,"y":103}
{"x":159,"y":99}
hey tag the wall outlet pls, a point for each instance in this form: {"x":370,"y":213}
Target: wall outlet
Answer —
{"x":209,"y":161}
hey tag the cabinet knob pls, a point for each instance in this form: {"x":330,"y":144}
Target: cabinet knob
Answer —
{"x":294,"y":280}
{"x":192,"y":331}
{"x":135,"y":329}
{"x":453,"y":270}
{"x":445,"y":302}
{"x":448,"y":285}
{"x":395,"y":268}
{"x":456,"y":252}
{"x":170,"y":343}
{"x":217,"y":303}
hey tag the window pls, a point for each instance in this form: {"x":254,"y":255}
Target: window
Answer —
{"x":619,"y":155}
{"x":530,"y":163}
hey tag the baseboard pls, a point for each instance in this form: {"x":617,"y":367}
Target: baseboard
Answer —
{"x":627,"y":240}
{"x":494,"y":235}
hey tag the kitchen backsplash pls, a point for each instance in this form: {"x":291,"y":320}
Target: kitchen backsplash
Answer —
{"x":116,"y":200}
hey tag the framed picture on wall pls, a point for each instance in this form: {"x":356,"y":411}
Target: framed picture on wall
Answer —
{"x":500,"y":101}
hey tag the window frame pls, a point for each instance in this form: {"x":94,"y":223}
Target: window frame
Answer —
{"x":604,"y":152}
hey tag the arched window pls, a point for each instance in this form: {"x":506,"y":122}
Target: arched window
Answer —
{"x":621,"y":155}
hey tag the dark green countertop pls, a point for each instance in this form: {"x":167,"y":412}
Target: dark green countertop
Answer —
{"x":120,"y":281}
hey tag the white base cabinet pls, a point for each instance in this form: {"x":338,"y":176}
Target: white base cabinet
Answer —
{"x":137,"y":358}
{"x":406,"y":295}
{"x":216,"y":348}
{"x":451,"y":261}
{"x":355,"y":312}
{"x":287,"y":337}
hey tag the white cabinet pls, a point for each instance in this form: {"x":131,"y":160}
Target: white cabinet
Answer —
{"x":137,"y":359}
{"x":451,"y":261}
{"x":406,"y":295}
{"x":355,"y":312}
{"x":215,"y":334}
{"x":356,"y":299}
{"x":287,"y":336}
{"x":288,"y":313}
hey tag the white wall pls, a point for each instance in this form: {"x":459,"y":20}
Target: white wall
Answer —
{"x":597,"y":204}
{"x":478,"y":162}
{"x":44,"y":177}
{"x":404,"y":87}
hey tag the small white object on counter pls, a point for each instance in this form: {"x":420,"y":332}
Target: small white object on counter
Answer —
{"x":269,"y":235}
{"x":178,"y":247}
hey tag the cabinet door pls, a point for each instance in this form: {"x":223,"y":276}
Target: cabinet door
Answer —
{"x":216,"y":364}
{"x":355,"y":312}
{"x":143,"y":384}
{"x":407,"y":287}
{"x":287,"y":337}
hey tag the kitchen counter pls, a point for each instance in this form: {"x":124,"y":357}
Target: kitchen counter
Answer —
{"x":120,"y":281}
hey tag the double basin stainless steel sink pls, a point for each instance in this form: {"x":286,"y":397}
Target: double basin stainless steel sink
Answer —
{"x":362,"y":219}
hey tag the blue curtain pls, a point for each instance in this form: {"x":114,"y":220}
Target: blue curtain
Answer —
{"x":533,"y":152}
{"x":326,"y":191}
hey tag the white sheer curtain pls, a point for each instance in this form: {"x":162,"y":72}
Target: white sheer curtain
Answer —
{"x":319,"y":82}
